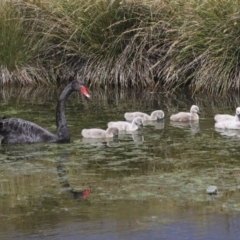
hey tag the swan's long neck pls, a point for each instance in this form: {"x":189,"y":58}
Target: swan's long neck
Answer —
{"x":62,"y":129}
{"x":237,"y":118}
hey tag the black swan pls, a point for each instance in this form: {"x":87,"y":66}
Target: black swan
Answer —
{"x":16,"y":130}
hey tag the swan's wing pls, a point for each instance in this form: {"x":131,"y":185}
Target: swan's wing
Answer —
{"x":93,"y":133}
{"x":129,"y":116}
{"x":121,"y":125}
{"x":181,"y":117}
{"x":224,"y":117}
{"x":228,"y":125}
{"x":16,"y":130}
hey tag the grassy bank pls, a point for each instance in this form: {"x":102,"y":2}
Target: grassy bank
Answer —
{"x":142,"y":43}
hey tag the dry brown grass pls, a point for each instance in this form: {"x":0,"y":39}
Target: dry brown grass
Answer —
{"x":136,"y":44}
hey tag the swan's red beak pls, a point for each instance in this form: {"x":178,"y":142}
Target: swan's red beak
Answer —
{"x":85,"y":193}
{"x":84,"y":92}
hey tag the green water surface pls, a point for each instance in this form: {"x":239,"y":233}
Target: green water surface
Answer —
{"x":148,"y":184}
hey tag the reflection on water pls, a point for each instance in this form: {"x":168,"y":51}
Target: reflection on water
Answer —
{"x":193,"y":125}
{"x":136,"y":137}
{"x":110,"y":142}
{"x":228,"y":132}
{"x":73,"y":194}
{"x":148,"y":184}
{"x":156,"y":124}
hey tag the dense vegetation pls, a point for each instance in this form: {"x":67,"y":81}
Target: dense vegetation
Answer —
{"x":123,"y":43}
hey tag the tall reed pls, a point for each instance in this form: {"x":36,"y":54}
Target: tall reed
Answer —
{"x":19,"y":45}
{"x":123,"y":43}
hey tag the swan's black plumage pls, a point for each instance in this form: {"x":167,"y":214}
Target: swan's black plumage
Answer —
{"x":16,"y":130}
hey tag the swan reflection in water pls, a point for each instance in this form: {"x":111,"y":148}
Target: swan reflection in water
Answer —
{"x":228,"y":132}
{"x":114,"y":142}
{"x":136,"y":136}
{"x":192,"y":125}
{"x":72,"y":194}
{"x":156,"y":124}
{"x":99,"y":142}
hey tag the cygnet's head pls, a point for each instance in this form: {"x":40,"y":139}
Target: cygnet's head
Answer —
{"x":138,"y":121}
{"x":195,"y":109}
{"x":159,"y":114}
{"x":114,"y":131}
{"x":238,"y":111}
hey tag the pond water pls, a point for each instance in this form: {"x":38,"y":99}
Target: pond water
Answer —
{"x":151,"y":184}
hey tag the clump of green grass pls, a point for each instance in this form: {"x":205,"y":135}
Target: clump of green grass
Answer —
{"x":116,"y":42}
{"x":103,"y":41}
{"x":19,"y":43}
{"x":220,"y":59}
{"x":207,"y":56}
{"x":123,"y":43}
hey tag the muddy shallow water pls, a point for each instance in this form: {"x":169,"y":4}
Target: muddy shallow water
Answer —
{"x":150,"y":184}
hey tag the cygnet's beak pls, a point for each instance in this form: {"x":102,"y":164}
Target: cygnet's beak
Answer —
{"x":198,"y":112}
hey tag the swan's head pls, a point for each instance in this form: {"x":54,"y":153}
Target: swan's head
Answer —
{"x":195,"y":109}
{"x":238,"y":112}
{"x":79,"y":86}
{"x":114,"y":131}
{"x":159,"y":114}
{"x":138,"y":121}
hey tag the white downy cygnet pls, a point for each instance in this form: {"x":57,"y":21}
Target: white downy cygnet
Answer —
{"x":228,"y":124}
{"x":155,"y":115}
{"x":186,"y":116}
{"x":227,"y":117}
{"x":100,"y":133}
{"x":126,"y":126}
